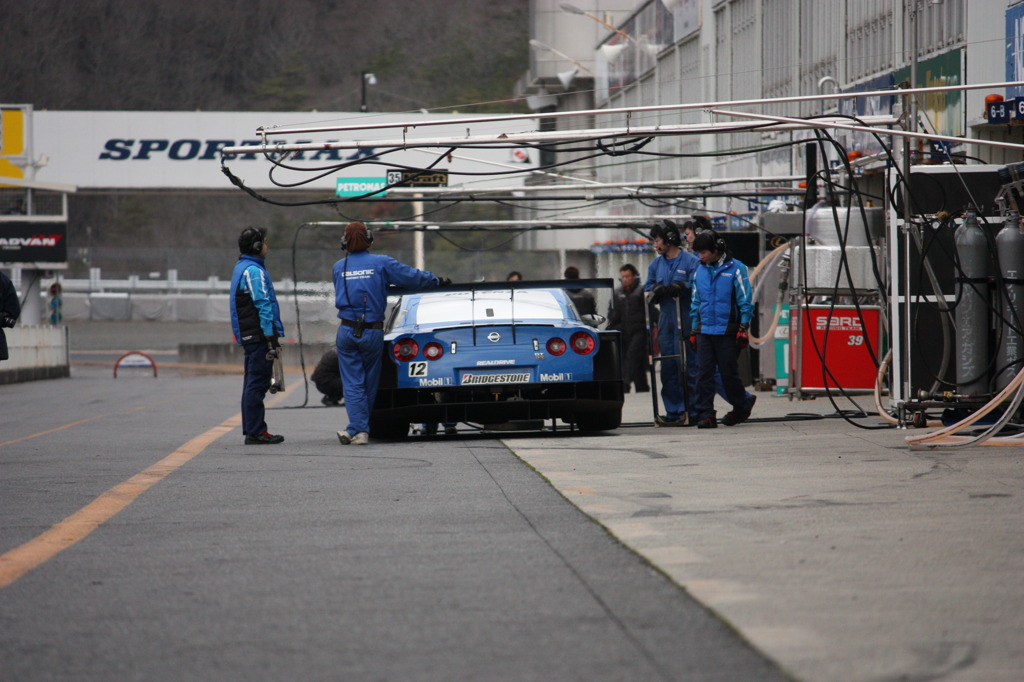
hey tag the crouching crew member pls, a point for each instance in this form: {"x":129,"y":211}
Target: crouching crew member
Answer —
{"x":361,"y":282}
{"x":256,"y":322}
{"x":720,"y":315}
{"x":327,"y":379}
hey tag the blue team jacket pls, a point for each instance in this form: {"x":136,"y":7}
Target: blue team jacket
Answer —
{"x":678,"y":270}
{"x":255,"y":315}
{"x":361,"y":283}
{"x":721,"y":297}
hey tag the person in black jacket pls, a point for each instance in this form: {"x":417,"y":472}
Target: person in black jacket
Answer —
{"x":583,"y":299}
{"x":626,"y":315}
{"x":327,"y":377}
{"x":10,"y":309}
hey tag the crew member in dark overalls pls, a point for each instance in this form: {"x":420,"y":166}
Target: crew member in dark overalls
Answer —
{"x":256,"y":322}
{"x":720,"y":322}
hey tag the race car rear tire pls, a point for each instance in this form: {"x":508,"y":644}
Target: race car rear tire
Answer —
{"x":599,"y":421}
{"x":388,"y":430}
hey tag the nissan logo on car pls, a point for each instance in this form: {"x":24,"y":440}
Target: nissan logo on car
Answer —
{"x":494,"y":337}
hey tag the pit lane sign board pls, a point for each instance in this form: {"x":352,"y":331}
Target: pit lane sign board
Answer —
{"x":406,"y":178}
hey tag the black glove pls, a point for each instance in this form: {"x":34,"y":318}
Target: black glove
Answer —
{"x":657,"y":293}
{"x":673,"y":290}
{"x":443,"y":281}
{"x":273,"y":349}
{"x":7,"y":321}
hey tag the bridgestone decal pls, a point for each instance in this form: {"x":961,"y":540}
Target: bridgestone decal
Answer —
{"x":523,"y":378}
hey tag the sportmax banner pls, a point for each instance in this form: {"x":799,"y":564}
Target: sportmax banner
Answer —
{"x":181,"y":149}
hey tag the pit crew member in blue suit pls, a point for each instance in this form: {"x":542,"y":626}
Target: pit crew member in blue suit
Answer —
{"x":669,"y":278}
{"x":690,"y":229}
{"x":361,"y":283}
{"x":256,"y":323}
{"x":720,"y":315}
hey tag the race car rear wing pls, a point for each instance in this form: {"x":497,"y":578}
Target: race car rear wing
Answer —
{"x":595,"y":283}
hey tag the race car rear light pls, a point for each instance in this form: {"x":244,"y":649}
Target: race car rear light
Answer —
{"x":582,"y":343}
{"x":405,"y":350}
{"x":556,"y":346}
{"x":433,"y":350}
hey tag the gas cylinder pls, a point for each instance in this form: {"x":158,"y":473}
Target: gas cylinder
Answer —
{"x":972,"y":308}
{"x":1010,"y":247}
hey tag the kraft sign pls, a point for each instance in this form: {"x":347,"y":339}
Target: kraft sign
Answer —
{"x":181,"y":150}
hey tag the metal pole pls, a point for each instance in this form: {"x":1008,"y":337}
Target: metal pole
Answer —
{"x":362,"y":99}
{"x":284,"y":130}
{"x":912,"y":109}
{"x":511,"y":139}
{"x":420,"y":260}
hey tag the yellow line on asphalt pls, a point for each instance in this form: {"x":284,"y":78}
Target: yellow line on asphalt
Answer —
{"x":54,"y":430}
{"x":57,"y":538}
{"x":83,"y":421}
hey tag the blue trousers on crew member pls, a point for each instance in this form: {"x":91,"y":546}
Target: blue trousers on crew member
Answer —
{"x":359,"y":362}
{"x":718,"y":352}
{"x":258,"y":371}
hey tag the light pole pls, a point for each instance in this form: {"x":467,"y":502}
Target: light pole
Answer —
{"x":367,"y":79}
{"x":573,"y":9}
{"x":537,"y":45}
{"x":564,"y":77}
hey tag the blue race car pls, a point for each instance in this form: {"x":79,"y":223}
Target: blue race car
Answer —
{"x":492,"y":354}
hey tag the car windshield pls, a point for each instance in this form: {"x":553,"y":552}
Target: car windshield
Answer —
{"x":488,"y":306}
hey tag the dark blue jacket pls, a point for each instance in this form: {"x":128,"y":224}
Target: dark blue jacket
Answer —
{"x":10,"y":305}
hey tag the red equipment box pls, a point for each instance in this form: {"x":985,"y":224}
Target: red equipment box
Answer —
{"x":838,"y":334}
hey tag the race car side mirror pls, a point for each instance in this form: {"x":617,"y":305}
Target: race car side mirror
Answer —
{"x":593,"y":320}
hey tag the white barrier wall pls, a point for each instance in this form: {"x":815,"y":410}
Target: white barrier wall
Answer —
{"x":181,"y":307}
{"x":35,"y":347}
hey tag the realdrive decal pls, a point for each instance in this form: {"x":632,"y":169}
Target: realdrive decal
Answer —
{"x":487,"y":363}
{"x":14,"y":243}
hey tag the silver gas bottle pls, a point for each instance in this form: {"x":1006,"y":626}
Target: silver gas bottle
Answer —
{"x":1010,"y":248}
{"x":972,"y":308}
